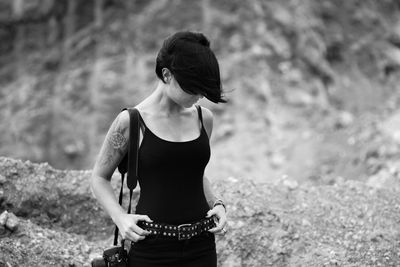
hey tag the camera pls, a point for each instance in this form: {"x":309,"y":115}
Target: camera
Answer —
{"x":113,"y":257}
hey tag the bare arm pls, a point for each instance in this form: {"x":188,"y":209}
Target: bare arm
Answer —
{"x":114,"y":148}
{"x":219,"y":210}
{"x":111,"y":153}
{"x":208,"y":192}
{"x":208,"y":125}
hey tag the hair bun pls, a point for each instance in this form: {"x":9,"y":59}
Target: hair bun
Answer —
{"x":203,"y":40}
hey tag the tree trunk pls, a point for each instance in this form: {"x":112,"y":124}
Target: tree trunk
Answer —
{"x":94,"y":85}
{"x":69,"y":30}
{"x":18,"y":9}
{"x":56,"y":95}
{"x":129,"y":59}
{"x":53,"y":32}
{"x":51,"y":41}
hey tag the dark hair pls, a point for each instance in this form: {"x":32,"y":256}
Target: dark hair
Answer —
{"x":192,"y":63}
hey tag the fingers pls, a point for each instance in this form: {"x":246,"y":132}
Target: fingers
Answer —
{"x":133,"y":231}
{"x":134,"y":236}
{"x":144,"y":218}
{"x":211,"y":213}
{"x":220,"y":218}
{"x":220,"y":226}
{"x":139,"y":231}
{"x":217,"y":210}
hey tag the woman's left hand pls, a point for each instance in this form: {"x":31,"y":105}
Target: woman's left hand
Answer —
{"x":219,"y":212}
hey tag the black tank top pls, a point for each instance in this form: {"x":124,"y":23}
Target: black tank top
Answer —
{"x":170,"y":175}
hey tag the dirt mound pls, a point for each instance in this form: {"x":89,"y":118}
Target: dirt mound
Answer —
{"x":32,"y":245}
{"x":53,"y":198}
{"x":279,"y":224}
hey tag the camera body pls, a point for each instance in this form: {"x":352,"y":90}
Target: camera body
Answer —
{"x":99,"y":262}
{"x":113,"y":257}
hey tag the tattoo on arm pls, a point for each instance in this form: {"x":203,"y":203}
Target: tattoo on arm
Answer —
{"x":114,"y":147}
{"x":117,"y":140}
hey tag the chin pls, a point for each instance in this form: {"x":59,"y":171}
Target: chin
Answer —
{"x":189,"y":105}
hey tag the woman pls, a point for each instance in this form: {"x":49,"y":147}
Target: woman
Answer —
{"x":177,"y":213}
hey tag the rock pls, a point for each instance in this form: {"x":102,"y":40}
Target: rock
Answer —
{"x":233,"y":261}
{"x":394,"y":34}
{"x":344,"y":119}
{"x":2,"y":179}
{"x":299,"y":98}
{"x":3,"y":218}
{"x":382,"y":179}
{"x":305,"y":222}
{"x":282,"y":15}
{"x":12,"y":222}
{"x":232,"y":179}
{"x":3,"y":231}
{"x":393,"y":55}
{"x":391,"y":127}
{"x":290,"y":184}
{"x":277,"y":160}
{"x":8,"y":221}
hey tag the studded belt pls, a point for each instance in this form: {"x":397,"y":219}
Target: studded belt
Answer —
{"x":181,"y":232}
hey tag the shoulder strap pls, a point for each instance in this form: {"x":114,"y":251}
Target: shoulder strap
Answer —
{"x":200,"y":115}
{"x":133,"y":154}
{"x":129,"y":163}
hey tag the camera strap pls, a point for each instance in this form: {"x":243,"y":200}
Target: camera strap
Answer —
{"x":129,"y":164}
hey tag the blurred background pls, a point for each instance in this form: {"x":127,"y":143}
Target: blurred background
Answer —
{"x":313,"y":85}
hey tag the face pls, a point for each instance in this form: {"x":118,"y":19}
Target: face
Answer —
{"x":179,"y":96}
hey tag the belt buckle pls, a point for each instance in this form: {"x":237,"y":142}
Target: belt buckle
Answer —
{"x":182,"y":236}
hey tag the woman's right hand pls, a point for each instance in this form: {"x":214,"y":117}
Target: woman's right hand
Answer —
{"x":128,"y":228}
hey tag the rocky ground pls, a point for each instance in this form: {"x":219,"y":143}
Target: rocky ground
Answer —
{"x":349,"y":223}
{"x":306,"y":152}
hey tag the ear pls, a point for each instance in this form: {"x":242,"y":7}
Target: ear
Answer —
{"x":166,"y":75}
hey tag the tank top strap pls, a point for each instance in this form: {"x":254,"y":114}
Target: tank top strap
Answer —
{"x":142,"y":125}
{"x":200,"y":115}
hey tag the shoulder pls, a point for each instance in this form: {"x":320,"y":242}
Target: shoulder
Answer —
{"x":208,"y":116}
{"x":121,"y":123}
{"x":208,"y":119}
{"x":123,"y":118}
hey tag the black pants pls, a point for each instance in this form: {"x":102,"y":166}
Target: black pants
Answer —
{"x":199,"y":251}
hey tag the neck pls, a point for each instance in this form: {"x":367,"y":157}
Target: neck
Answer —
{"x":162,"y":103}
